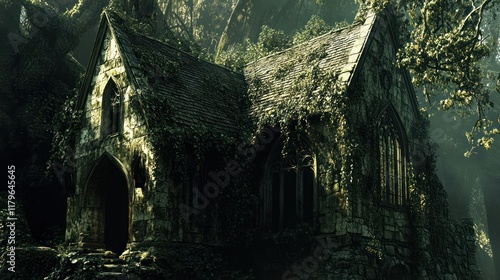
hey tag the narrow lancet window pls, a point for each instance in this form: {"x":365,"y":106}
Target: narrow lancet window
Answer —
{"x":111,"y":109}
{"x":290,"y":186}
{"x":393,"y":159}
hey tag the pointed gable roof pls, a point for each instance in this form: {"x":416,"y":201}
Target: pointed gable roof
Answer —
{"x":340,"y":52}
{"x":187,"y":91}
{"x":200,"y":95}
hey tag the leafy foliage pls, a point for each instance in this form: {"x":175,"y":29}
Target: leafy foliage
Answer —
{"x":210,"y":19}
{"x":314,"y":27}
{"x":234,"y":58}
{"x":193,"y":26}
{"x":66,"y":124}
{"x":446,"y":51}
{"x":314,"y":94}
{"x":445,"y":58}
{"x":271,"y":41}
{"x":167,"y":134}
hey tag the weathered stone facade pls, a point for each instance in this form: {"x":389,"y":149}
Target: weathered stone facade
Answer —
{"x":296,"y":202}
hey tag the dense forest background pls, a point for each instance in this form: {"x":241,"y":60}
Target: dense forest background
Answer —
{"x":450,"y":47}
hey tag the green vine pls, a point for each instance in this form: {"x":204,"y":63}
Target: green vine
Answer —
{"x":67,"y":124}
{"x":315,"y":93}
{"x":166,"y":135}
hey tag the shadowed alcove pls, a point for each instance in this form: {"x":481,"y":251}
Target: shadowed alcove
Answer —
{"x":107,"y":206}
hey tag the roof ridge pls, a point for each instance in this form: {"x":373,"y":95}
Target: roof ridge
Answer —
{"x":184,"y":52}
{"x":188,"y":96}
{"x":129,"y":30}
{"x":179,"y":82}
{"x":331,"y":32}
{"x":336,"y":52}
{"x":121,"y":35}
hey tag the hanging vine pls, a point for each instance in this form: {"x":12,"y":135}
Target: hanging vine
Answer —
{"x":314,"y":93}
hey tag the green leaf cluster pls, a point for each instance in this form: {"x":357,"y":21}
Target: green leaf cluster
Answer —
{"x":271,"y":41}
{"x":66,"y":125}
{"x":447,"y":51}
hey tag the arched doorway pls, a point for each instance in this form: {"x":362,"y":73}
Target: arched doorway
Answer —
{"x":107,"y":206}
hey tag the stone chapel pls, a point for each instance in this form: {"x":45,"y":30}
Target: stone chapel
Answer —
{"x":314,"y":163}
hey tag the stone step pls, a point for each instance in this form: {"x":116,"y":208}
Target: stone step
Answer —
{"x":103,"y":254}
{"x":147,"y":269}
{"x":114,"y":261}
{"x":113,"y":275}
{"x":117,"y":276}
{"x":95,"y":254}
{"x":112,"y":267}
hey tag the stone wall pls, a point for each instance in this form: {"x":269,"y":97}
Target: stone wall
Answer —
{"x":453,"y":254}
{"x":354,"y":236}
{"x":419,"y":237}
{"x":154,"y":207}
{"x":122,"y":148}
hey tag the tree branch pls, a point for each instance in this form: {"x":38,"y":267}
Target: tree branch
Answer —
{"x":82,"y":16}
{"x":184,"y":27}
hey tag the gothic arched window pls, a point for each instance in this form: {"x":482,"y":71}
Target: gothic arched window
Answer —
{"x":111,"y":109}
{"x":393,"y":159}
{"x":290,"y":185}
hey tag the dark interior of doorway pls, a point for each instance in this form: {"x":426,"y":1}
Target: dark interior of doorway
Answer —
{"x":116,"y":211}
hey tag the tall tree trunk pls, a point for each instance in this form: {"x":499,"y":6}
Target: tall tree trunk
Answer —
{"x":491,"y":191}
{"x":52,"y":37}
{"x":145,"y":11}
{"x":36,"y":74}
{"x":248,"y":16}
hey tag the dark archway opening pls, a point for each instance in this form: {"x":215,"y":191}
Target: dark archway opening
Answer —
{"x":116,"y":212}
{"x":107,"y":203}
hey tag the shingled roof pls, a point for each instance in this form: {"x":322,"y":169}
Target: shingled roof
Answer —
{"x":194,"y":93}
{"x":199,"y":94}
{"x":338,"y":51}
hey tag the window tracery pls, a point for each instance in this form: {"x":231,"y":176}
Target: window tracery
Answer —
{"x":291,"y":185}
{"x":393,"y":159}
